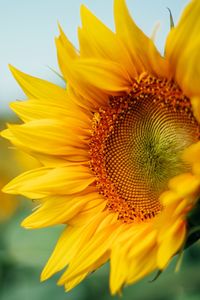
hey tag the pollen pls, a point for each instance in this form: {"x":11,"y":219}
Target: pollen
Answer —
{"x":136,"y":146}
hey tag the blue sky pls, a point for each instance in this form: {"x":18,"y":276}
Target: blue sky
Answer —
{"x":28,"y":28}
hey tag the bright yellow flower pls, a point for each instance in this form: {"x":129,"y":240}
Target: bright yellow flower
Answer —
{"x":119,"y":147}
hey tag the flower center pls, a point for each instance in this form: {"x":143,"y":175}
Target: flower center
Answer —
{"x":136,"y":146}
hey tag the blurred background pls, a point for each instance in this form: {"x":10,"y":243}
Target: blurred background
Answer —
{"x":27,"y":31}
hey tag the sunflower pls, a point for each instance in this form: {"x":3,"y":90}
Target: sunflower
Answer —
{"x":119,"y":148}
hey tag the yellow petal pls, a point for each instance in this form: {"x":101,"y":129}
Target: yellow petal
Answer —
{"x":65,"y":248}
{"x":169,"y":197}
{"x":182,"y":50}
{"x":37,"y":88}
{"x":192,"y":153}
{"x":141,"y":49}
{"x":66,"y":64}
{"x":37,"y":109}
{"x":195,"y":101}
{"x":142,"y":265}
{"x":30,"y":110}
{"x":97,"y":246}
{"x":181,"y":209}
{"x":74,"y":282}
{"x":53,"y":161}
{"x":118,"y":269}
{"x":185,"y":185}
{"x":60,"y":209}
{"x":44,"y":181}
{"x":89,"y":104}
{"x":172,"y":242}
{"x":70,"y":243}
{"x":105,"y":75}
{"x":98,"y":41}
{"x":86,"y":214}
{"x":70,"y":49}
{"x":141,"y":244}
{"x":48,"y":136}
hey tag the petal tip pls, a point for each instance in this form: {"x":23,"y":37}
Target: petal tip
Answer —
{"x":15,"y":72}
{"x":7,"y":189}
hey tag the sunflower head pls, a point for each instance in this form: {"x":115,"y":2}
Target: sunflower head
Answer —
{"x":119,"y":148}
{"x":137,"y":144}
